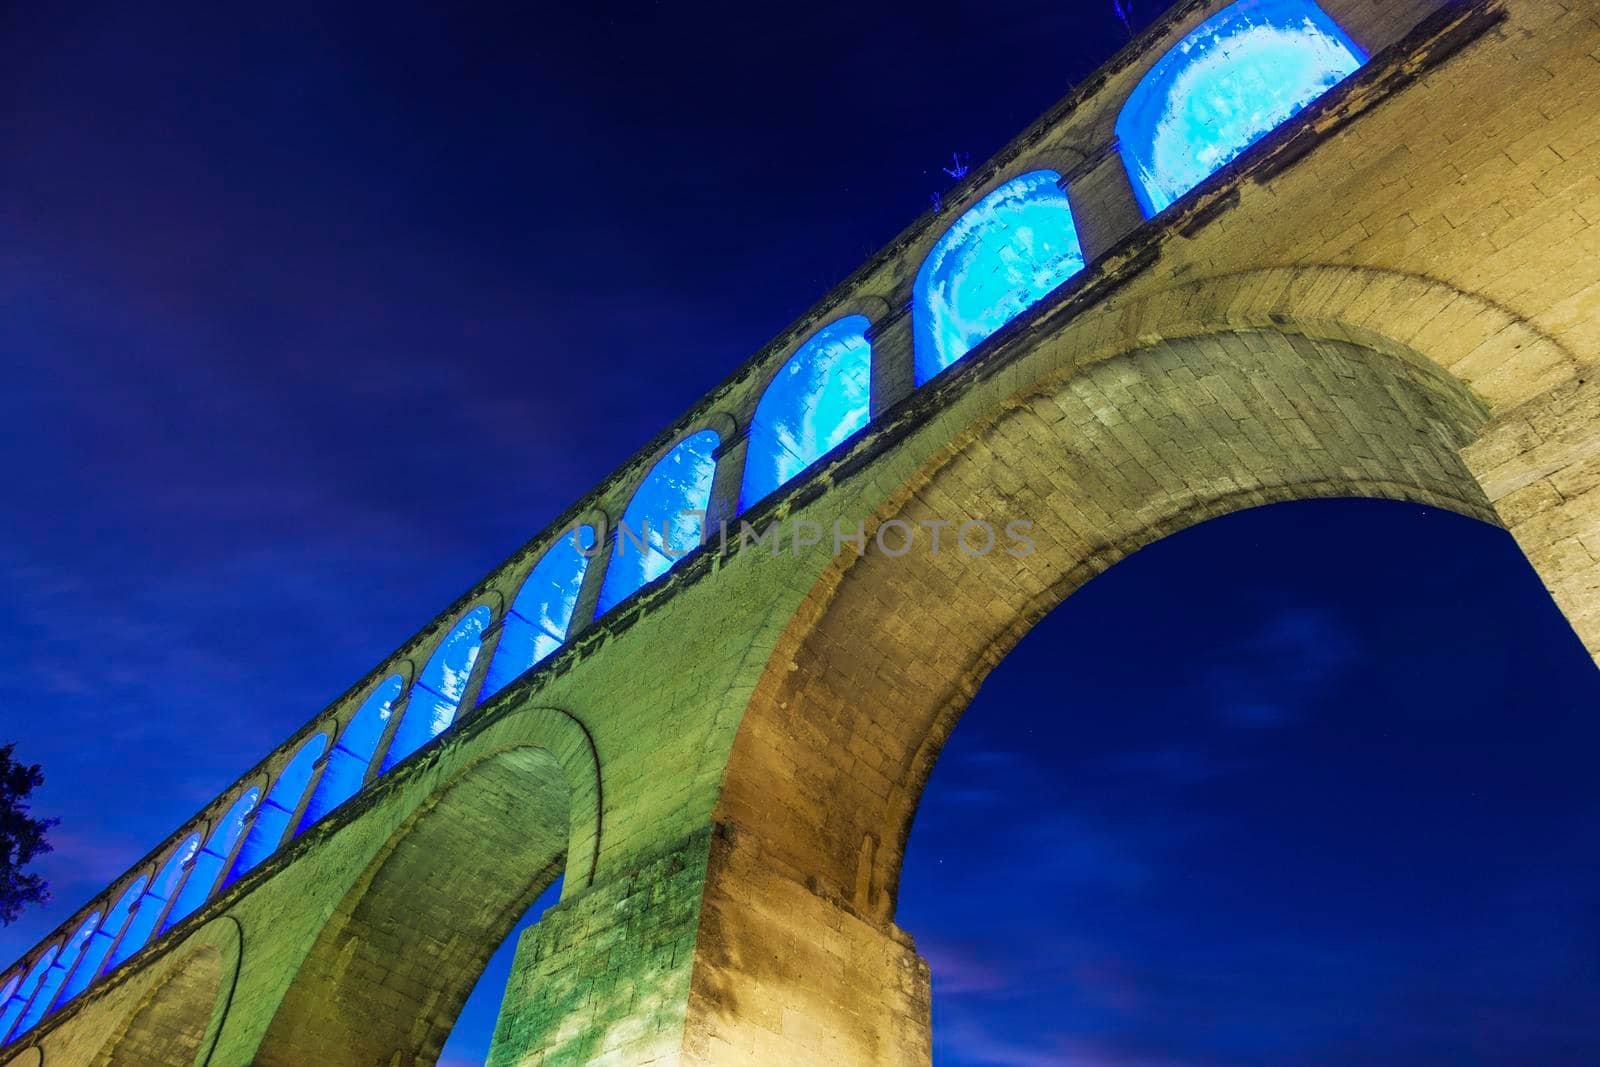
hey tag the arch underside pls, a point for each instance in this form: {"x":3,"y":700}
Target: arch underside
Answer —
{"x":176,"y":1020}
{"x":393,"y":966}
{"x":171,"y":1025}
{"x":849,"y":715}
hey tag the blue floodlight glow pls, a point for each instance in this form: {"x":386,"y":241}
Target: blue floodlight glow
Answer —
{"x":55,"y":976}
{"x":267,"y":830}
{"x":817,"y":399}
{"x":1234,"y":79}
{"x":664,"y":521}
{"x":156,"y":894}
{"x":208,"y":862}
{"x":88,"y":968}
{"x":347,"y":764}
{"x":541,"y":614}
{"x":24,"y":991}
{"x":439,"y":688}
{"x":992,"y":264}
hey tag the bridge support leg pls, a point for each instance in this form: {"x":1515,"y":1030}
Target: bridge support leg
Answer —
{"x":1539,"y":464}
{"x":603,"y":977}
{"x":1104,"y":208}
{"x":706,"y":955}
{"x":785,"y":976}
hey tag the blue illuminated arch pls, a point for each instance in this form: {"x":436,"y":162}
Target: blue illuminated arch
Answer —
{"x":1230,"y":82}
{"x":88,"y":968}
{"x":267,"y":831}
{"x":56,"y":975}
{"x":347,"y":764}
{"x":817,"y":399}
{"x":23,"y":992}
{"x":208,"y":862}
{"x":655,"y":532}
{"x":439,"y":688}
{"x":148,"y":912}
{"x":540,"y":617}
{"x":997,"y":260}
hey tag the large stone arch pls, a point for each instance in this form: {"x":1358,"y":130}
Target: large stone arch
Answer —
{"x":391,"y":968}
{"x":175,"y":1023}
{"x":1103,"y":457}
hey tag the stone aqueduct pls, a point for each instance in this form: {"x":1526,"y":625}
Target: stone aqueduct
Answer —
{"x":1396,"y":294}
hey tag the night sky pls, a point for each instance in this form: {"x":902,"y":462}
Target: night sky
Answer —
{"x":314,"y":315}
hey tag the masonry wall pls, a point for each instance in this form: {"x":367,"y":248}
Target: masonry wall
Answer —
{"x":604,"y":976}
{"x":735,"y":814}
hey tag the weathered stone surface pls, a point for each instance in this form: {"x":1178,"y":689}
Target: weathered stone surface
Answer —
{"x":1397,"y":295}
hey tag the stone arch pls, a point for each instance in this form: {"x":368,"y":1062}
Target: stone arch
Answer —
{"x":176,"y":1021}
{"x":1499,"y":356}
{"x":847,"y":719}
{"x":1059,"y":158}
{"x":389,"y":971}
{"x":28,"y":1057}
{"x":1002,"y":255}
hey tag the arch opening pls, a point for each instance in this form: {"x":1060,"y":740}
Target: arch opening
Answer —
{"x":1100,"y":461}
{"x":818,"y":398}
{"x":436,"y":694}
{"x":464,"y":868}
{"x":1002,"y":256}
{"x":1099,"y":458}
{"x":208,"y":862}
{"x":95,"y":952}
{"x":1243,"y":751}
{"x":271,"y":821}
{"x":50,"y":984}
{"x":1231,"y":81}
{"x":665,"y":519}
{"x":22,"y":990}
{"x":540,"y":616}
{"x":346,"y":768}
{"x":141,"y":925}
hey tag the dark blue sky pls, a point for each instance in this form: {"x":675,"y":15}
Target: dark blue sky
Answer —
{"x":313,"y":314}
{"x":1310,"y":785}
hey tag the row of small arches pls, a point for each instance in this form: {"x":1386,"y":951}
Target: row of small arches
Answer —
{"x":1228,"y":83}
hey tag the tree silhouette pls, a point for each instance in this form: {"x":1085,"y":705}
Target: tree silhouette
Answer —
{"x":21,"y":838}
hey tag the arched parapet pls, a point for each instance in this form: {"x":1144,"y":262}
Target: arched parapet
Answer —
{"x":359,"y":995}
{"x":452,"y":668}
{"x":951,"y":207}
{"x":740,"y":403}
{"x":545,"y":603}
{"x":1004,"y":254}
{"x":815,"y":400}
{"x":1090,"y":115}
{"x":688,"y":485}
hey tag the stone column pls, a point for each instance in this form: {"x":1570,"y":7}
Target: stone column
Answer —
{"x":784,"y":975}
{"x":603,"y":977}
{"x":594,"y":575}
{"x":706,"y":954}
{"x":894,"y":374}
{"x":1539,"y":465}
{"x":488,"y":642}
{"x":1104,"y":208}
{"x":726,"y":485}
